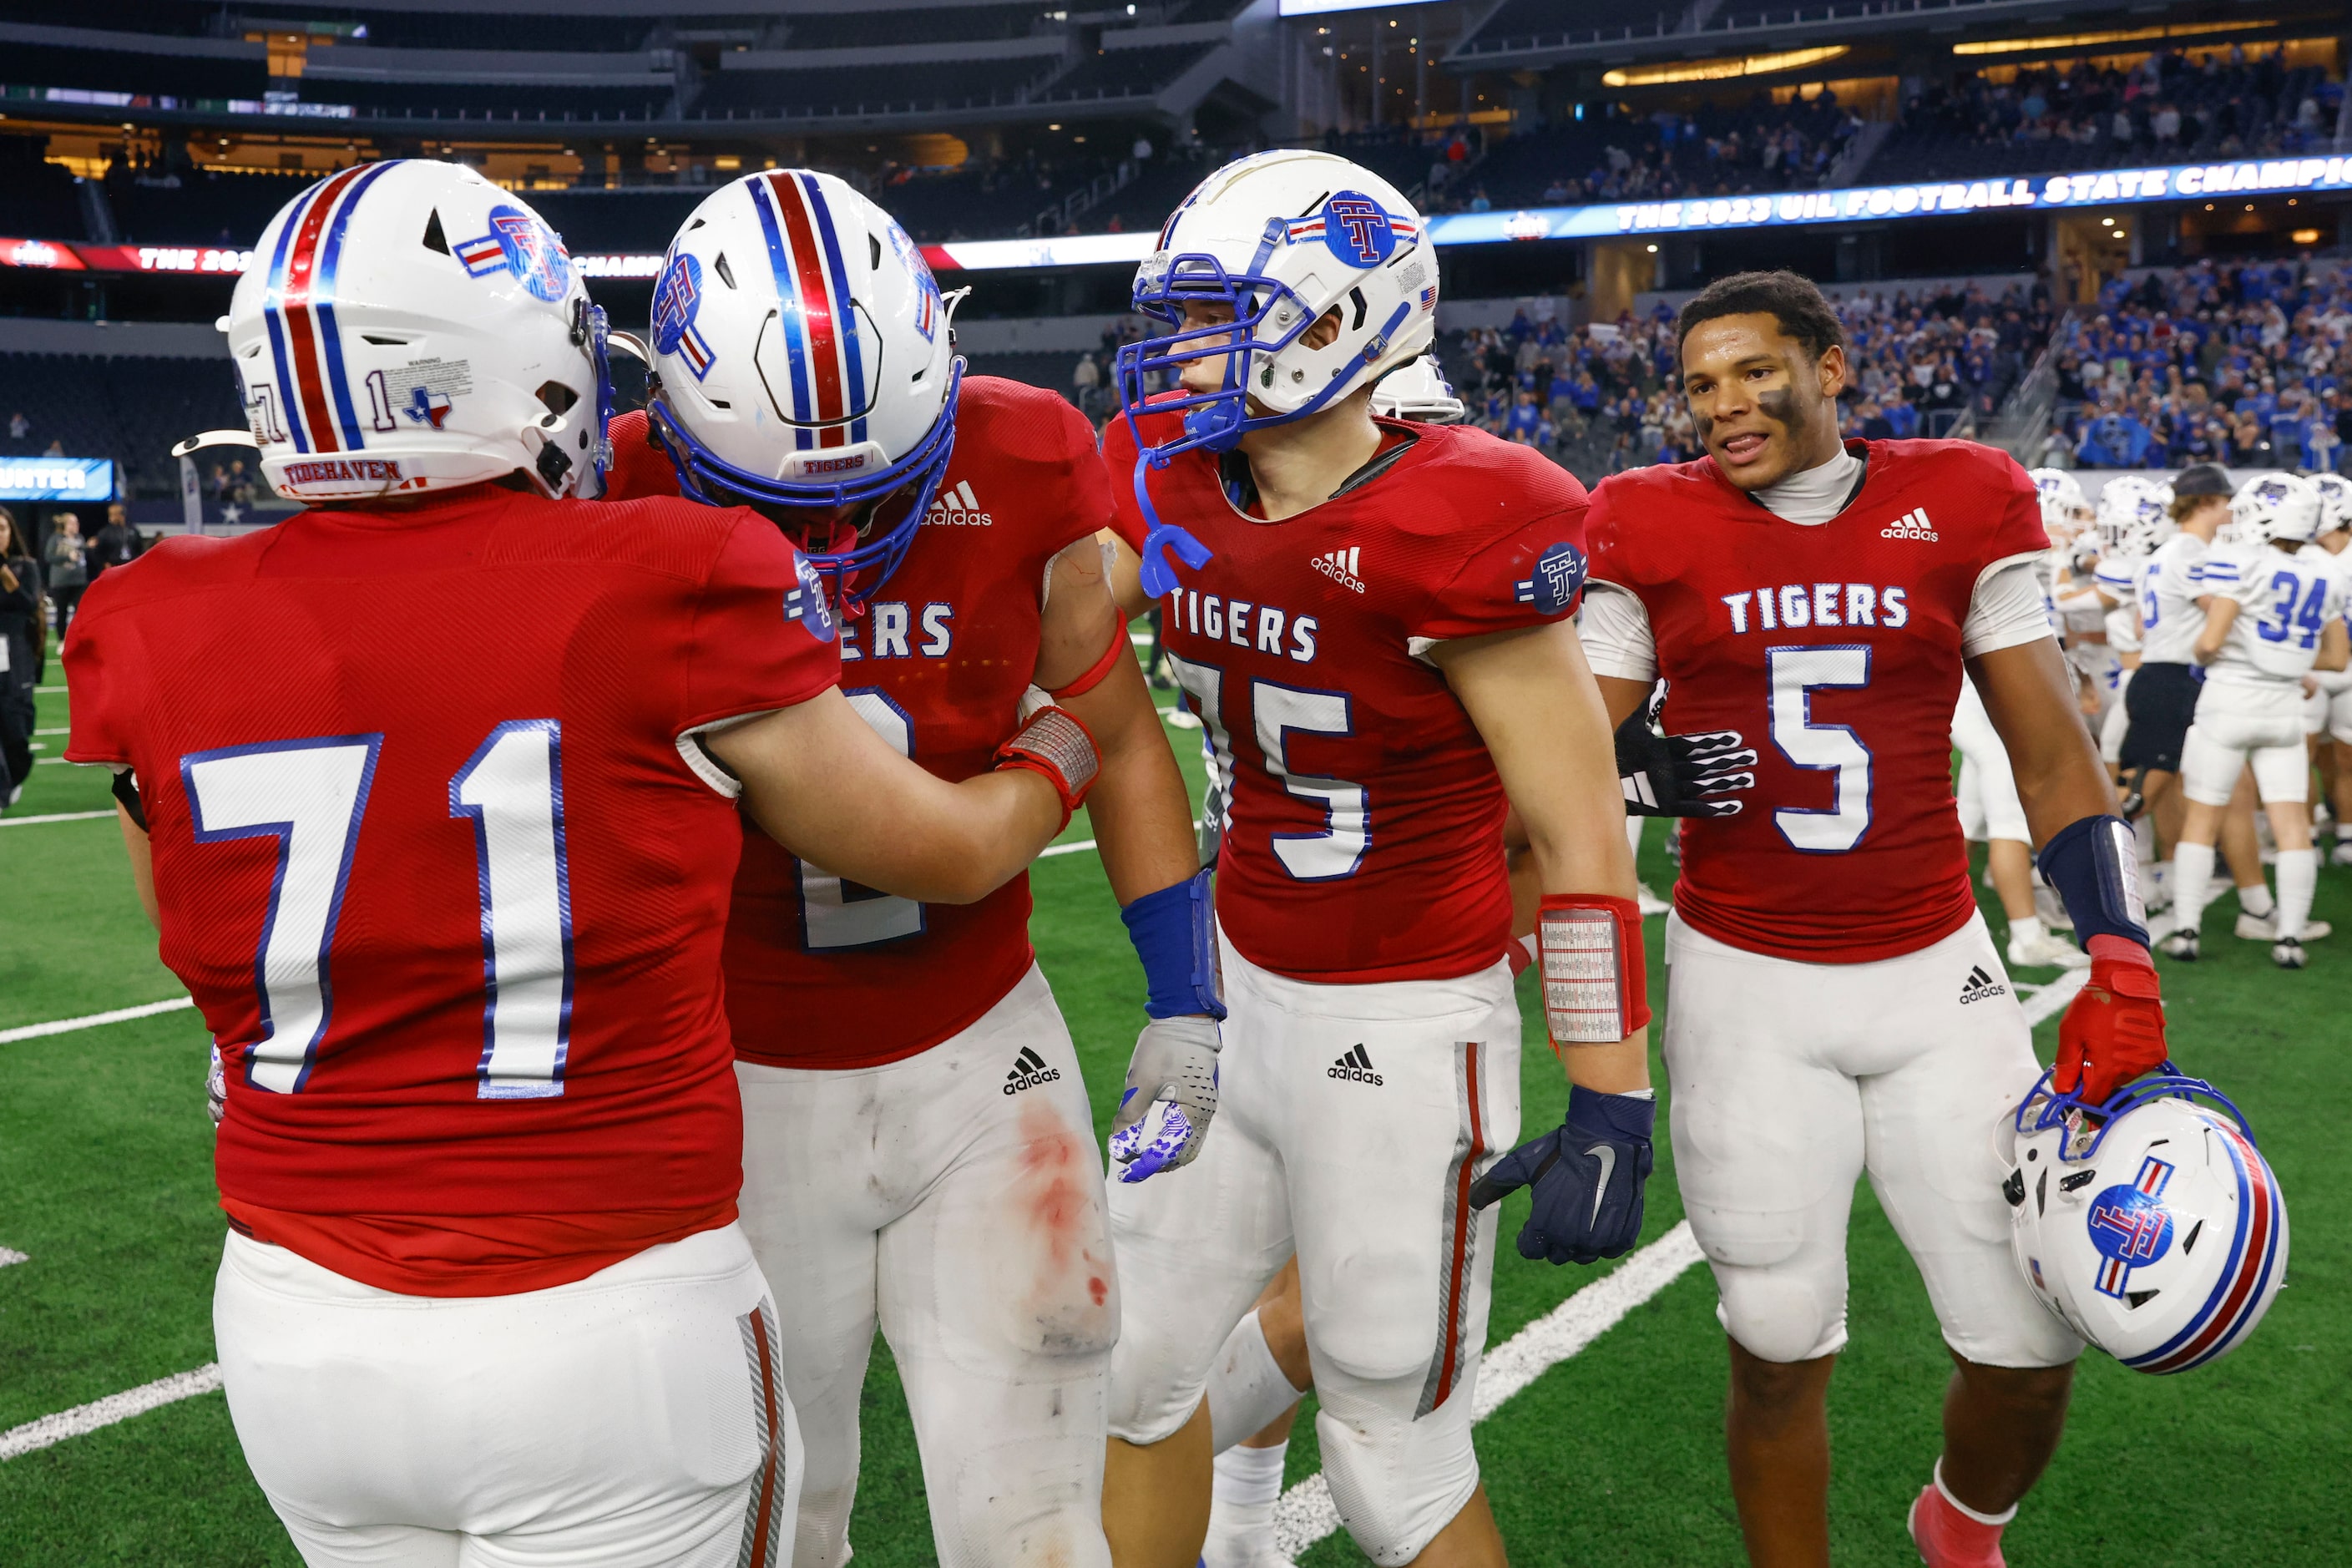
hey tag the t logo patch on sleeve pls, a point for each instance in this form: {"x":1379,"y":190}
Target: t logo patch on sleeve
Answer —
{"x":1559,"y":577}
{"x":806,"y":603}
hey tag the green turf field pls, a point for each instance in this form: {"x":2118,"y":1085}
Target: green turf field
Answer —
{"x":1610,"y":1458}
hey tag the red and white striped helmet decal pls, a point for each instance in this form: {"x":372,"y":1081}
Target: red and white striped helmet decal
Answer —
{"x":299,"y":310}
{"x":2228,"y":1312}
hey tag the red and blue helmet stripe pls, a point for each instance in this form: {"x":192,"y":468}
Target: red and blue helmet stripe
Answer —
{"x":2237,"y":1295}
{"x":822,"y":344}
{"x":299,"y":312}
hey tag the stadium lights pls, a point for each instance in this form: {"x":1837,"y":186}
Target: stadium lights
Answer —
{"x":2304,"y":237}
{"x":2121,"y":36}
{"x":1651,"y":249}
{"x":1719,"y":69}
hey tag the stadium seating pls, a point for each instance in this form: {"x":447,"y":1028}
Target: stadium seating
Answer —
{"x":639,"y":219}
{"x":1113,"y":73}
{"x":204,"y":208}
{"x":132,"y":410}
{"x":1523,"y":21}
{"x":872,"y":90}
{"x":879,"y":27}
{"x":1571,"y":162}
{"x":474,"y":29}
{"x":37,"y":199}
{"x":475,"y":101}
{"x":122,"y":71}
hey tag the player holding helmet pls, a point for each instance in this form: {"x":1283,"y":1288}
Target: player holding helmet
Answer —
{"x":1837,"y":1003}
{"x":919,"y":1147}
{"x":452,"y":906}
{"x":1369,"y":626}
{"x":2273,"y":612}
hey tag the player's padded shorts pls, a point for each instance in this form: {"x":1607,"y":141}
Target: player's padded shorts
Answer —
{"x":2114,"y":719}
{"x":632,"y":1419}
{"x":2238,"y":724}
{"x":1987,"y":791}
{"x":1351,"y":1121}
{"x":2328,"y":711}
{"x":2161,"y":703}
{"x":957,"y":1196}
{"x":1791,"y":1079}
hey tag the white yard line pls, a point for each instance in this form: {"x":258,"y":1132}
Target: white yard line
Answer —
{"x":2052,"y":999}
{"x":10,"y":1257}
{"x":51,"y":1430}
{"x":67,"y":1026}
{"x":50,"y":690}
{"x":1306,"y":1513}
{"x":54,"y":816}
{"x":64,"y":732}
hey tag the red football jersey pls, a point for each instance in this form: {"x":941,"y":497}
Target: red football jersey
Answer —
{"x":822,"y":973}
{"x":1364,"y":815}
{"x":1836,"y":650}
{"x":438,"y":871}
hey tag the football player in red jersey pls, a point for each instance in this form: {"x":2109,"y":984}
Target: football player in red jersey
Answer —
{"x":919,"y":1147}
{"x":1370,"y":625}
{"x":452,"y":905}
{"x":1838,"y":1005}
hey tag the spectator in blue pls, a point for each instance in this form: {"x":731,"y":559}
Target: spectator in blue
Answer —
{"x":22,"y":632}
{"x":1524,"y":419}
{"x":2114,"y":441}
{"x":1902,"y":416}
{"x":2320,"y":448}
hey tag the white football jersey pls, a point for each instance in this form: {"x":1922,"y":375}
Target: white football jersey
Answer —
{"x":2118,"y":578}
{"x":2167,"y":590}
{"x":2285,"y":602}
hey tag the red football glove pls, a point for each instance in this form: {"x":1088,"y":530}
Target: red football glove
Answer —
{"x":2115,"y":1029}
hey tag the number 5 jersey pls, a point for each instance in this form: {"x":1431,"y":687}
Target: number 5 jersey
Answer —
{"x":1836,"y":647}
{"x":1363,"y":820}
{"x":444,"y":869}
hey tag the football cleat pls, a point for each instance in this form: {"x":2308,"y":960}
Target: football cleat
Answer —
{"x":1946,"y":1538}
{"x":2043,"y":950}
{"x":2181,"y":944}
{"x":2287,"y":953}
{"x":1649,"y":902}
{"x":2264,"y":928}
{"x":2343,"y":853}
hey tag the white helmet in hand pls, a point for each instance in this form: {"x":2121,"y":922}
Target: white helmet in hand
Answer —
{"x":409,"y":326}
{"x":1418,"y":391}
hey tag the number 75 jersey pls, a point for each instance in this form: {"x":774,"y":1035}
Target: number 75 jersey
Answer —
{"x":1363,"y":815}
{"x":1836,"y":649}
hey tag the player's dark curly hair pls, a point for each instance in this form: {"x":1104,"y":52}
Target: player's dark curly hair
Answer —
{"x":1793,"y":301}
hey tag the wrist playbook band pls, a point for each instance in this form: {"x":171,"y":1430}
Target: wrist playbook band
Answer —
{"x":1054,"y":743}
{"x":2093,"y":863}
{"x":1595,"y":986}
{"x":1175,"y":934}
{"x":1119,"y":649}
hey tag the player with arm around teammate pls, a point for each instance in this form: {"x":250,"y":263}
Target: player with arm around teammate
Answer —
{"x":919,"y":1147}
{"x":1367,"y":620}
{"x":453,"y":907}
{"x":2273,"y":613}
{"x":1837,"y":1003}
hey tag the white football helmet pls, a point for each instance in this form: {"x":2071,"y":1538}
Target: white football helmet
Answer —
{"x":2150,"y":1226}
{"x":2065,"y":509}
{"x":2335,"y":500}
{"x":409,"y":326}
{"x":805,"y":360}
{"x":2276,"y":507}
{"x":1418,"y":391}
{"x":2134,"y":515}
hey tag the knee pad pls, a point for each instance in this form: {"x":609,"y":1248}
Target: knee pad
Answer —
{"x":1781,"y":1314}
{"x":1395,"y":1481}
{"x":1032,"y":1501}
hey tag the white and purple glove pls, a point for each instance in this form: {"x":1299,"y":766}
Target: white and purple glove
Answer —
{"x":1170,"y":1096}
{"x":216,"y":1088}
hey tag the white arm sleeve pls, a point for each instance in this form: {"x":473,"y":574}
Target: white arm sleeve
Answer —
{"x":1615,"y":629}
{"x":2005,"y":608}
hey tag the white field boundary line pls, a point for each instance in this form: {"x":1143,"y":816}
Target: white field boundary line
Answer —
{"x":1306,"y":1513}
{"x":2052,"y":999}
{"x":54,"y":816}
{"x":82,"y":1419}
{"x":93,"y":1020}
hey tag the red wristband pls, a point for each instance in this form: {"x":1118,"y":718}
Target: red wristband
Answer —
{"x":1101,"y":667}
{"x":1058,"y":746}
{"x":1595,"y":978}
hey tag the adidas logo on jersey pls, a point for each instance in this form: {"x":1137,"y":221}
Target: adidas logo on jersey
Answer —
{"x":1912,"y":524}
{"x":1339,"y":565}
{"x":957,"y":507}
{"x":1979,"y":985}
{"x":1355,"y":1065}
{"x":1029,"y":1070}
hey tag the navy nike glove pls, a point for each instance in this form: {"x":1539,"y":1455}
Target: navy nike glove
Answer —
{"x":1681,"y":776}
{"x":1588,"y":1175}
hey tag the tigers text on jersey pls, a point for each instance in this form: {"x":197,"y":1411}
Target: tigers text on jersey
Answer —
{"x":2285,"y":603}
{"x":2168,"y":588}
{"x":437,"y":870}
{"x":826,"y":974}
{"x":1362,"y":841}
{"x":1836,"y":650}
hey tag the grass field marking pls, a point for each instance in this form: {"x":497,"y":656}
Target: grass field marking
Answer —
{"x":50,"y":690}
{"x":1306,"y":1513}
{"x":92,"y":1021}
{"x":54,"y":816}
{"x":10,"y":1257}
{"x":65,"y":732}
{"x":2052,"y":999}
{"x":51,"y":1430}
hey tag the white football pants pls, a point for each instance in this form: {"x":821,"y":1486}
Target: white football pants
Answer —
{"x":1351,"y":1121}
{"x":1791,"y":1079}
{"x":2238,"y":724}
{"x":956,"y":1197}
{"x":1987,"y":791}
{"x":632,"y":1419}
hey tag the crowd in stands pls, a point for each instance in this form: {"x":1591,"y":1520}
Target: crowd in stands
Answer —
{"x":1712,"y":152}
{"x":2242,"y":365}
{"x":2168,"y":108}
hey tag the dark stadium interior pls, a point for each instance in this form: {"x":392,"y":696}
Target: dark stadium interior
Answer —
{"x":1025,"y":121}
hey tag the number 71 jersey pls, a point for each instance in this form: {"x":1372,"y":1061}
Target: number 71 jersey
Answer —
{"x":1836,"y":649}
{"x":1363,"y":824}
